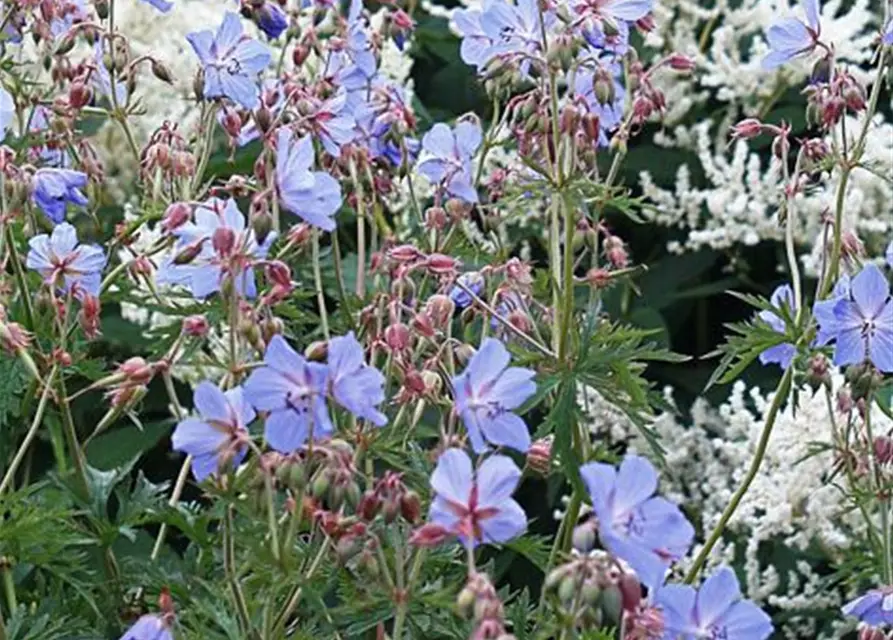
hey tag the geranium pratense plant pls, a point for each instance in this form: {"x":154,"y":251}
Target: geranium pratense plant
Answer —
{"x":372,"y":334}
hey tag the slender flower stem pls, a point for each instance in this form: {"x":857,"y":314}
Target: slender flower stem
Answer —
{"x":295,"y":597}
{"x":317,"y":280}
{"x":30,"y":435}
{"x":19,"y":273}
{"x":9,"y":587}
{"x":172,"y":502}
{"x":271,"y":516}
{"x":229,"y":557}
{"x":849,"y":164}
{"x":361,"y":231}
{"x":80,"y":466}
{"x":781,"y":394}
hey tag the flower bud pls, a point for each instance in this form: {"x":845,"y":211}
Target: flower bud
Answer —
{"x":612,"y":602}
{"x":680,"y":62}
{"x":175,"y":216}
{"x":440,"y":309}
{"x":438,"y":263}
{"x":867,"y":632}
{"x":422,"y":323}
{"x":79,"y":94}
{"x":196,"y":326}
{"x":398,"y":337}
{"x":603,"y":88}
{"x":539,"y":456}
{"x":160,"y":71}
{"x":262,"y":224}
{"x":883,"y":449}
{"x":317,"y":351}
{"x":223,"y":240}
{"x":631,"y":591}
{"x":747,"y":129}
{"x":13,"y":337}
{"x":821,"y":71}
{"x":584,"y":535}
{"x":405,"y":253}
{"x":66,"y":44}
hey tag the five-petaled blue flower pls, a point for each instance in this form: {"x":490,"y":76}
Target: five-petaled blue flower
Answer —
{"x":502,"y":30}
{"x":646,"y":531}
{"x":860,"y":321}
{"x":149,"y":627}
{"x":356,"y":386}
{"x":64,"y":263}
{"x":293,"y":392}
{"x":790,"y":37}
{"x":218,"y":439}
{"x":487,"y":392}
{"x":314,"y":196}
{"x":874,"y":608}
{"x":223,"y":247}
{"x":231,"y":62}
{"x":781,"y":354}
{"x":716,"y":610}
{"x":446,"y":158}
{"x":53,"y":189}
{"x":477,"y":506}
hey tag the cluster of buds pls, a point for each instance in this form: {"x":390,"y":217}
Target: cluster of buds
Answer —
{"x":167,"y":154}
{"x":479,"y":601}
{"x":390,"y":498}
{"x":869,"y":632}
{"x":333,"y":482}
{"x":818,"y":372}
{"x":13,"y":337}
{"x":130,"y":381}
{"x":863,"y":380}
{"x":593,"y":589}
{"x":827,"y":102}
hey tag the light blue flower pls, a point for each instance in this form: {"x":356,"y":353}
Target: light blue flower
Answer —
{"x":446,"y":158}
{"x":314,"y":196}
{"x":474,"y":282}
{"x":271,"y":19}
{"x":861,"y":322}
{"x":102,"y":80}
{"x":791,"y":37}
{"x":356,"y":386}
{"x":64,"y":263}
{"x":54,"y":189}
{"x":293,"y":393}
{"x":477,"y":506}
{"x":231,"y":62}
{"x":646,"y":531}
{"x":781,"y":354}
{"x":218,"y":438}
{"x":213,"y":261}
{"x":162,"y":5}
{"x":874,"y":607}
{"x":716,"y":610}
{"x":487,"y":393}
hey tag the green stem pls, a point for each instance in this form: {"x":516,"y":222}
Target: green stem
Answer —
{"x":781,"y":394}
{"x":9,"y":587}
{"x":19,"y":273}
{"x":30,"y":435}
{"x":295,"y":596}
{"x":317,"y":281}
{"x":361,"y":232}
{"x":229,"y":555}
{"x":71,"y":436}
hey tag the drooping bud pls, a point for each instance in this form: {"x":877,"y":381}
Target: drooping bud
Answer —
{"x":223,"y":240}
{"x":584,"y":535}
{"x":747,"y":129}
{"x":196,"y":326}
{"x":539,"y":456}
{"x":680,"y":62}
{"x":432,"y":535}
{"x":160,"y":71}
{"x":440,"y":309}
{"x":175,"y":216}
{"x":398,"y":337}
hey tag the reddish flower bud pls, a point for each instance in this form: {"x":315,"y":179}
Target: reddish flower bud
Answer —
{"x":405,"y":253}
{"x":422,"y":323}
{"x":680,"y":62}
{"x":439,"y":309}
{"x":599,"y":278}
{"x":539,"y":456}
{"x":175,"y":216}
{"x":630,"y":590}
{"x":440,"y":264}
{"x":223,"y":240}
{"x":232,"y":123}
{"x":435,"y":218}
{"x":369,"y":506}
{"x":746,"y":129}
{"x":62,"y":357}
{"x":279,"y":273}
{"x":429,"y":535}
{"x":88,"y":317}
{"x":398,"y":337}
{"x":883,"y":449}
{"x":13,"y":337}
{"x":136,"y":370}
{"x":410,"y":507}
{"x":79,"y":94}
{"x":196,"y":326}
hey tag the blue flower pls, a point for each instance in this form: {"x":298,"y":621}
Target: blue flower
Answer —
{"x":507,"y":31}
{"x":622,"y":10}
{"x":313,"y":196}
{"x":52,"y":156}
{"x":874,"y":607}
{"x":599,"y":74}
{"x":823,"y":311}
{"x":7,"y":112}
{"x":887,"y":37}
{"x":474,"y":282}
{"x":217,"y":439}
{"x":231,"y":62}
{"x":446,"y":158}
{"x":646,"y":531}
{"x":149,"y":627}
{"x":102,"y":80}
{"x":64,"y":263}
{"x":356,"y":386}
{"x":358,"y":47}
{"x":861,"y":321}
{"x":476,"y":506}
{"x":332,"y":122}
{"x":53,"y":189}
{"x":293,"y":392}
{"x":790,"y":37}
{"x":716,"y":610}
{"x":271,"y":19}
{"x":487,"y":392}
{"x":376,"y":132}
{"x":162,"y":5}
{"x":780,"y":354}
{"x":272,"y":96}
{"x":222,"y":248}
{"x":69,"y":13}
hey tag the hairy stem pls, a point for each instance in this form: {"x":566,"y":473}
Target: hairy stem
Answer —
{"x":30,"y":435}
